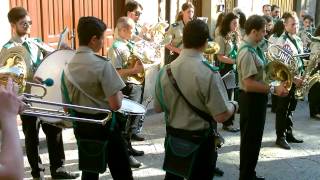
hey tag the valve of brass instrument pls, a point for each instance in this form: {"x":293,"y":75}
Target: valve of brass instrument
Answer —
{"x":211,"y":49}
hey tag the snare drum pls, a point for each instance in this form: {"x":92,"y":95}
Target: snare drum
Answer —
{"x":129,"y":108}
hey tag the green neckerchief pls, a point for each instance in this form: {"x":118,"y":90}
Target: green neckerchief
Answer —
{"x":35,"y":58}
{"x":232,"y":54}
{"x":256,"y":51}
{"x":210,"y":66}
{"x":71,"y":111}
{"x":160,"y":98}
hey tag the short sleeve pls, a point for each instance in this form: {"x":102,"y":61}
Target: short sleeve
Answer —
{"x":110,"y":80}
{"x":221,"y":42}
{"x":217,"y":99}
{"x":247,"y":65}
{"x":115,"y":59}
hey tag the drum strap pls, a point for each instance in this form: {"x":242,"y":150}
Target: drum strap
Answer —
{"x":207,"y":117}
{"x":73,"y":82}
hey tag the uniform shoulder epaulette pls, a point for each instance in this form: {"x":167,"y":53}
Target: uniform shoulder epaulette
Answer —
{"x":102,"y":57}
{"x":8,"y":45}
{"x":175,"y":24}
{"x":210,"y":66}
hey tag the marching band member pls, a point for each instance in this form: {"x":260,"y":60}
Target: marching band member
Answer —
{"x":253,"y":95}
{"x":122,"y":48}
{"x":286,"y":105}
{"x":305,"y":31}
{"x":176,"y":30}
{"x":275,"y":13}
{"x":227,"y":54}
{"x":133,"y":11}
{"x":99,"y":87}
{"x":201,"y":89}
{"x":21,"y":24}
{"x":314,"y":96}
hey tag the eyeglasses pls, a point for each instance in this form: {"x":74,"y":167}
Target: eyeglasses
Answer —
{"x":138,"y":13}
{"x":25,"y":23}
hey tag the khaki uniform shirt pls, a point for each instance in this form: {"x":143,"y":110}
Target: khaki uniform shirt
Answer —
{"x":200,"y":85}
{"x":225,"y":45}
{"x":36,"y":54}
{"x":249,"y":64}
{"x":176,"y":31}
{"x":96,"y":76}
{"x":119,"y":53}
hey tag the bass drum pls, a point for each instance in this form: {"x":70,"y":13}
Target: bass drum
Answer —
{"x":51,"y":68}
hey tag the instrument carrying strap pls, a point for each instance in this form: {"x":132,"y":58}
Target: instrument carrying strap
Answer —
{"x":73,"y":82}
{"x":201,"y":113}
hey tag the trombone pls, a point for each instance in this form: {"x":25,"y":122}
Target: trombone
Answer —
{"x":52,"y":113}
{"x":17,"y":77}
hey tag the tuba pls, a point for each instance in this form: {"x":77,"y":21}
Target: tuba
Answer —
{"x":17,"y":64}
{"x":281,"y":66}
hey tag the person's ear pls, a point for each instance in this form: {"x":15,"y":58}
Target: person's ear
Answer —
{"x":93,"y":39}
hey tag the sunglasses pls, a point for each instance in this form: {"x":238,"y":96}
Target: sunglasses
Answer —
{"x":138,"y":13}
{"x":26,"y":23}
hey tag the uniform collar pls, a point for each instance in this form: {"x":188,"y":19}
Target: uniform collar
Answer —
{"x":122,"y":40}
{"x":193,"y":53}
{"x":84,"y":49}
{"x":19,"y":39}
{"x":249,"y":41}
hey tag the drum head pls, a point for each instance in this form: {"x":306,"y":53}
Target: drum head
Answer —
{"x":132,"y":108}
{"x":52,"y":67}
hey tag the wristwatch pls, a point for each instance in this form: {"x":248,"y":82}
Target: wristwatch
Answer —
{"x":272,"y":89}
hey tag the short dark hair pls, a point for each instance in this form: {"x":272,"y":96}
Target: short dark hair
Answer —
{"x":254,"y":22}
{"x":131,"y":6}
{"x":225,"y":26}
{"x":195,"y":34}
{"x":88,"y":27}
{"x":17,"y":13}
{"x":267,"y":18}
{"x":266,"y":6}
{"x":273,"y":7}
{"x":307,"y":16}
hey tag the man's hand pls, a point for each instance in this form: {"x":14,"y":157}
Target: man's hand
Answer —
{"x":281,"y":90}
{"x":37,"y":80}
{"x":65,"y":46}
{"x":10,"y":103}
{"x":138,"y":67}
{"x":298,"y":82}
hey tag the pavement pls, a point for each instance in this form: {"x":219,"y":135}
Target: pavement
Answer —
{"x":302,"y":162}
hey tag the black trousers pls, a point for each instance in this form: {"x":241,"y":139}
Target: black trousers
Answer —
{"x":314,"y":99}
{"x":252,"y":119}
{"x":204,"y":163}
{"x":274,"y":102}
{"x":31,"y":126}
{"x":285,"y":107}
{"x":117,"y":154}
